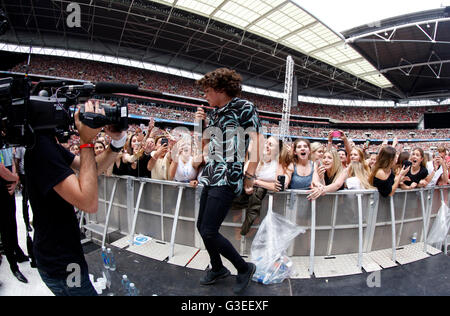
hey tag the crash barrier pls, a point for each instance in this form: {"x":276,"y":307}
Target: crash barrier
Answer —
{"x":345,"y":222}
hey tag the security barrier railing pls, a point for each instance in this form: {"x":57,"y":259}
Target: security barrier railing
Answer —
{"x":345,"y":222}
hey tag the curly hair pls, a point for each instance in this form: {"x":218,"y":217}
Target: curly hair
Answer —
{"x":222,"y":80}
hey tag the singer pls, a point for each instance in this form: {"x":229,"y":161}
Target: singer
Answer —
{"x":54,"y":190}
{"x":222,"y":178}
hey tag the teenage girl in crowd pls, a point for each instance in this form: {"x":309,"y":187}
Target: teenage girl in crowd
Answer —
{"x":330,"y":177}
{"x":383,"y":177}
{"x":438,"y":169}
{"x":358,"y":171}
{"x":417,"y":175}
{"x":302,"y":169}
{"x":275,"y":162}
{"x":183,"y":167}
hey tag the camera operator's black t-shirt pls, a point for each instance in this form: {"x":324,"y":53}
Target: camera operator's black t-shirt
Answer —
{"x":57,"y":234}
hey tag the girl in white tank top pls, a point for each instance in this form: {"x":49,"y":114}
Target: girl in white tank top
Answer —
{"x":185,"y":171}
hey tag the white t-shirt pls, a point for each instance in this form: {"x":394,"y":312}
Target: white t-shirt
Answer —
{"x":353,"y":183}
{"x":438,"y":173}
{"x":267,"y":172}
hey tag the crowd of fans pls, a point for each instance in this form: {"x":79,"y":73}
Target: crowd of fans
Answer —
{"x":338,"y":164}
{"x":95,"y":72}
{"x":299,"y":131}
{"x":166,"y":154}
{"x":187,"y":115}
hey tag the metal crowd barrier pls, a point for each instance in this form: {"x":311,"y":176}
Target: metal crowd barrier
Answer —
{"x":345,"y":222}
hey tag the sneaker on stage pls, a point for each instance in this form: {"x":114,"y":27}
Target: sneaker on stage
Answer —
{"x":243,"y":279}
{"x":211,"y":277}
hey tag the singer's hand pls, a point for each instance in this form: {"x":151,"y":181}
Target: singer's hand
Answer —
{"x":200,"y":115}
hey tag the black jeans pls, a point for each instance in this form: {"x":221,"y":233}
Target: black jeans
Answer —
{"x":26,"y":216}
{"x":61,"y":287}
{"x":215,"y":202}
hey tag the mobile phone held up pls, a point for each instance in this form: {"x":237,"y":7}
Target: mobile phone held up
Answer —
{"x":164,"y":141}
{"x":336,"y":134}
{"x":407,"y":163}
{"x":282,"y":180}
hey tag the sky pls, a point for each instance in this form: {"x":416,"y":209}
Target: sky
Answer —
{"x":342,"y":15}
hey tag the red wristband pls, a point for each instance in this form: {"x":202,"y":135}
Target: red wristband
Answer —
{"x":87,"y":146}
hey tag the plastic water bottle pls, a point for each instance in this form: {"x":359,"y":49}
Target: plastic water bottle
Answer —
{"x":107,"y":276}
{"x":133,"y":291}
{"x":414,"y":238}
{"x":111,"y":260}
{"x":125,"y":283}
{"x":105,"y":258}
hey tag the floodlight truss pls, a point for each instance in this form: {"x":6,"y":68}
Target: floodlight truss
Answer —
{"x":287,"y":99}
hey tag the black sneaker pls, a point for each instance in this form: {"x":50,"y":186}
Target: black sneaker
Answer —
{"x":243,"y":279}
{"x":211,"y":277}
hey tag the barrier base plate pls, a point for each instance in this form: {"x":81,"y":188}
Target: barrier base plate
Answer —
{"x":182,"y":255}
{"x":153,"y":249}
{"x":122,"y":243}
{"x":411,"y":253}
{"x":301,"y":266}
{"x":383,"y":258}
{"x":431,"y":250}
{"x":200,"y":261}
{"x":368,"y":264}
{"x":336,"y":266}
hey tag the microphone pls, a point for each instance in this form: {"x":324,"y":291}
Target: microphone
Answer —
{"x":104,"y":87}
{"x":108,"y":87}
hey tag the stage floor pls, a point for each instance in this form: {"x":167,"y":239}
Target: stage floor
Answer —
{"x":428,"y":276}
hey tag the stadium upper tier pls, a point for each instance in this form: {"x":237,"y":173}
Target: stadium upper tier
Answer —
{"x":95,"y":72}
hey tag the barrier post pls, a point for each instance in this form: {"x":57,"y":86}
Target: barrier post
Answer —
{"x":130,"y":202}
{"x":136,"y":212}
{"x":313,"y":237}
{"x":371,"y":221}
{"x":197,"y":238}
{"x":360,"y":231}
{"x":333,"y":225}
{"x":394,"y":250}
{"x":175,"y":222}
{"x":291,"y":214}
{"x":162,"y":211}
{"x":108,"y":213}
{"x":403,"y":218}
{"x":424,"y":215}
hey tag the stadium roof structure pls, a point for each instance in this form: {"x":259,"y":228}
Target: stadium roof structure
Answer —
{"x":252,"y":36}
{"x":412,"y":51}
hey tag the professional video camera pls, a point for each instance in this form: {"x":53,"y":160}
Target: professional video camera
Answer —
{"x":25,"y":110}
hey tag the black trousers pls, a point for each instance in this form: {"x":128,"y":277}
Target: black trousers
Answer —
{"x":8,"y":226}
{"x":26,"y":216}
{"x":215,"y":202}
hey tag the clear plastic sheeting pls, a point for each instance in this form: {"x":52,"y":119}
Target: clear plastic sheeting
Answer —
{"x":268,"y":250}
{"x":441,"y":226}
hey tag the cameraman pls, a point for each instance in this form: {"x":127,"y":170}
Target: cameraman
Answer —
{"x":54,"y":190}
